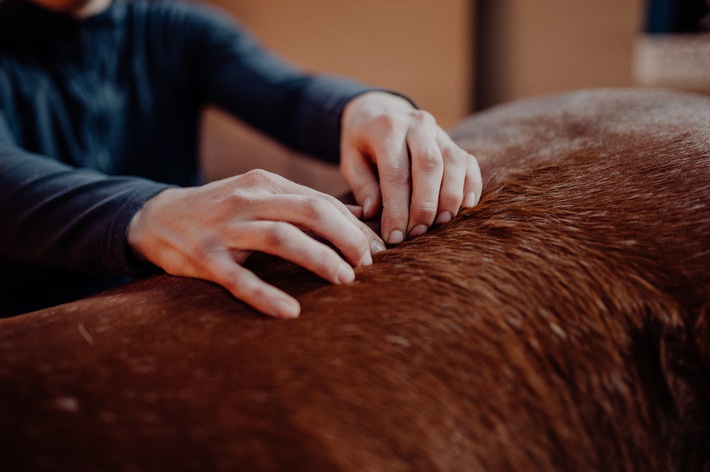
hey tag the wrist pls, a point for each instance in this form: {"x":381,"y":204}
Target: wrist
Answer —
{"x":137,"y":233}
{"x":376,"y":98}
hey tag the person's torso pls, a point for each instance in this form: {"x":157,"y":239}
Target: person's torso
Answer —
{"x":107,"y":93}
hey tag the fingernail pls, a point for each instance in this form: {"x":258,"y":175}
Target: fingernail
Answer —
{"x":345,"y":275}
{"x":287,"y":309}
{"x":376,"y":247}
{"x":366,"y":207}
{"x":418,"y":230}
{"x":443,"y":217}
{"x":395,"y":237}
{"x":469,"y":200}
{"x":366,"y":259}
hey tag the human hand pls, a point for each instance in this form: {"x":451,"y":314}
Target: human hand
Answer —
{"x":396,"y":158}
{"x":208,"y":232}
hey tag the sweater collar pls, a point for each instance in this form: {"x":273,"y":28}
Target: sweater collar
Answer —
{"x":25,"y":20}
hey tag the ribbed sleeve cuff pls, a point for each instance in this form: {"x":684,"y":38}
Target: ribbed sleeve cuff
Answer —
{"x":120,"y":253}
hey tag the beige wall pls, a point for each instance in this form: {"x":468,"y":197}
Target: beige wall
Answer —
{"x":536,"y":47}
{"x":423,"y":49}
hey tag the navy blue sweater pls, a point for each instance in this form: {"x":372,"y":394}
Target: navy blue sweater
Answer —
{"x":99,"y":115}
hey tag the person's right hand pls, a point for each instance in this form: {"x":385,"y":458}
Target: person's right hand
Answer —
{"x":208,"y":232}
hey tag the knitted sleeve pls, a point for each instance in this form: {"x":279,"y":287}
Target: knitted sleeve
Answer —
{"x":58,"y":216}
{"x":302,"y":111}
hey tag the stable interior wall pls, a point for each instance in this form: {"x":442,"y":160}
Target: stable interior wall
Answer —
{"x":450,"y":56}
{"x":530,"y":48}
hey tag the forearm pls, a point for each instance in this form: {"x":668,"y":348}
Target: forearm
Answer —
{"x":235,"y":73}
{"x":58,"y":216}
{"x":302,"y":112}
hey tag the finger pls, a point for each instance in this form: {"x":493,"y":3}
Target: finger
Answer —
{"x":249,"y":288}
{"x":473,"y":185}
{"x":427,"y":171}
{"x":356,"y":211}
{"x":375,"y":243}
{"x":452,"y":184}
{"x":288,"y":242}
{"x":363,"y":182}
{"x":395,"y":181}
{"x":320,"y":216}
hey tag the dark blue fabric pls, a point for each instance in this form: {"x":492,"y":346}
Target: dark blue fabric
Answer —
{"x":99,"y":115}
{"x":676,"y":16}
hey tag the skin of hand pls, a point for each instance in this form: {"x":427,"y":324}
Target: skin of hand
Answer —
{"x":208,"y":232}
{"x":77,"y":8}
{"x":396,"y":159}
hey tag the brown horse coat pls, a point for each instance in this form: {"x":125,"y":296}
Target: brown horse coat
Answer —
{"x":561,"y":325}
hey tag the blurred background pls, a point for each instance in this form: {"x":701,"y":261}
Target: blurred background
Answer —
{"x":455,"y":57}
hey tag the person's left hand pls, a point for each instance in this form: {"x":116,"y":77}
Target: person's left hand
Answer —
{"x":397,"y":159}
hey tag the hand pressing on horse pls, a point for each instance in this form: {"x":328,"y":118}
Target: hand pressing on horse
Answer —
{"x":398,"y":160}
{"x":208,"y":232}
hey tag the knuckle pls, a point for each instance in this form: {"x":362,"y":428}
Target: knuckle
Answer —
{"x":202,"y":259}
{"x":240,"y":198}
{"x":397,"y":172}
{"x":243,"y":286}
{"x":258,"y":177}
{"x":256,"y":291}
{"x":313,"y":208}
{"x":451,"y":152}
{"x":422,"y":116}
{"x":360,"y":244}
{"x":231,"y":279}
{"x":396,"y":214}
{"x":423,"y":210}
{"x":385,"y":122}
{"x":277,"y":235}
{"x":429,"y":161}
